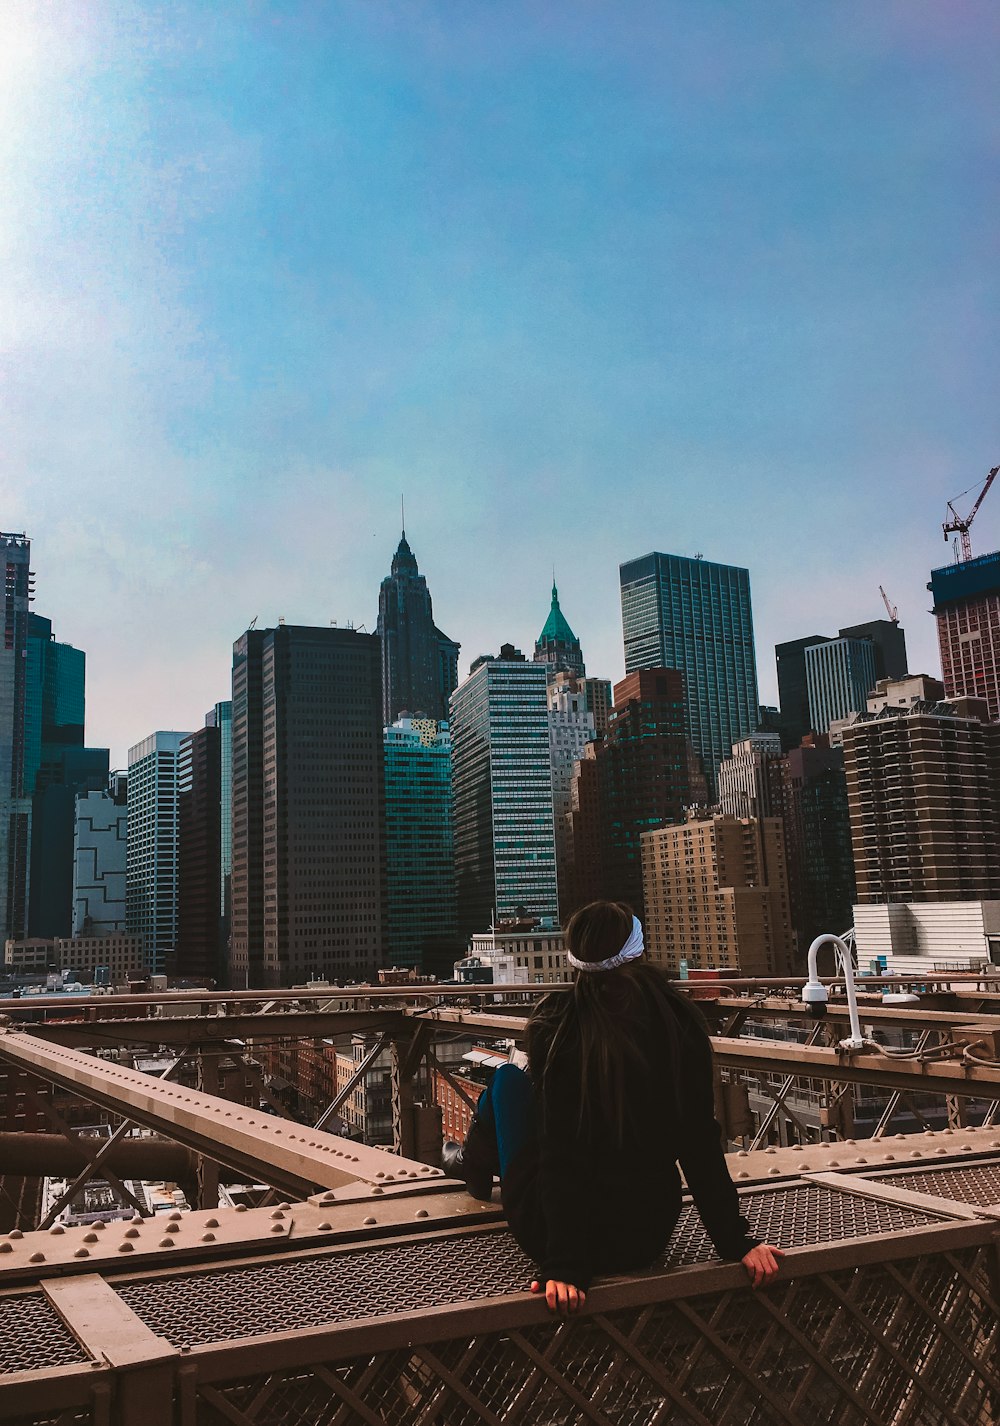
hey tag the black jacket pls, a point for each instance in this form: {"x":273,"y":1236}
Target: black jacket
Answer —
{"x":582,"y":1204}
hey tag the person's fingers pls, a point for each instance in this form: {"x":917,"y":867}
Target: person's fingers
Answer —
{"x":536,"y":1286}
{"x":550,"y":1295}
{"x":562,"y":1294}
{"x":572,"y":1298}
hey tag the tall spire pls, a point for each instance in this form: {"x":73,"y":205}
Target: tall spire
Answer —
{"x":402,"y":516}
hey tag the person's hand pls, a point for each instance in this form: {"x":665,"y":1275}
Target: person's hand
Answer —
{"x":561,"y":1297}
{"x":762,"y":1264}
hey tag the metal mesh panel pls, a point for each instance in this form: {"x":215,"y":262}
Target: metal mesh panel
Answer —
{"x":967,"y":1183}
{"x":913,"y":1342}
{"x":33,"y":1336}
{"x":389,"y":1278}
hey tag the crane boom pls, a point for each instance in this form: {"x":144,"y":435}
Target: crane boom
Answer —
{"x":959,"y":526}
{"x":890,"y":609}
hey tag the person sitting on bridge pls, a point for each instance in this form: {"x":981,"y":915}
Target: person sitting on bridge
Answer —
{"x":619,"y":1090}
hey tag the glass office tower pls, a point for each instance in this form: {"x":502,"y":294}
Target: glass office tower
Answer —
{"x":505,"y":851}
{"x":695,"y":616}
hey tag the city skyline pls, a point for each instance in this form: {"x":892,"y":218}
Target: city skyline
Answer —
{"x":579,"y":285}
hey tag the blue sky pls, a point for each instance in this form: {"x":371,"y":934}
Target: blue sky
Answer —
{"x":580,"y":280}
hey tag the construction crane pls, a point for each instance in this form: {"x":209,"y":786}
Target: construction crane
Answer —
{"x":957,"y":526}
{"x":890,"y":609}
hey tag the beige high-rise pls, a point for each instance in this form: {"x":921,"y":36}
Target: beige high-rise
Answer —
{"x":716,"y":896}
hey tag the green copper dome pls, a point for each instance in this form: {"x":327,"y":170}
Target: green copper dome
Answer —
{"x":556,"y":628}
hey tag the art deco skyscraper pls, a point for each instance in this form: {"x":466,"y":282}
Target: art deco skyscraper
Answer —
{"x":557,"y":645}
{"x":419,"y":663}
{"x":695,"y":616}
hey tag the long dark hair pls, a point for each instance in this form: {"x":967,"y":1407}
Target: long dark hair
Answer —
{"x":594,"y":1023}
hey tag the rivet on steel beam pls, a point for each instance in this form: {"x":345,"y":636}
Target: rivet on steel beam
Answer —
{"x":775,"y":1170}
{"x":804,"y":1168}
{"x":208,"y":1237}
{"x":82,"y":1253}
{"x":277,"y":1227}
{"x":173,"y":1228}
{"x":6,"y":1248}
{"x":126,"y":1247}
{"x":850,"y":1141}
{"x":860,"y":1160}
{"x":833,"y":1163}
{"x":368,"y":1221}
{"x":796,"y":1148}
{"x":37,"y":1258}
{"x":742,"y":1174}
{"x":174,"y":1217}
{"x":421,"y":1213}
{"x":15,"y":1233}
{"x":379,"y":1174}
{"x":326,"y":1227}
{"x":376,"y":1189}
{"x":771,"y":1150}
{"x":56,"y":1230}
{"x":890,"y":1158}
{"x":165,"y":1243}
{"x":211,"y":1222}
{"x":100,"y":1225}
{"x":966,"y":1148}
{"x":741,"y":1153}
{"x":941,"y":1150}
{"x":916,"y":1154}
{"x":131,"y":1232}
{"x":284,"y":1207}
{"x":241,"y":1208}
{"x":278,"y":1213}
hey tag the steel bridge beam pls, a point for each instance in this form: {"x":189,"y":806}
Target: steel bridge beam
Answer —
{"x":291,"y":1157}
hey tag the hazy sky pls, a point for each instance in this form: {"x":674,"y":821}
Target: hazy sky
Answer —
{"x":580,"y":280}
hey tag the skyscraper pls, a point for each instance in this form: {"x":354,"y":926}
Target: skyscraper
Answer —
{"x":58,"y":768}
{"x":750,"y":780}
{"x":793,"y":689}
{"x":419,"y":663}
{"x":15,"y":802}
{"x":817,"y":841}
{"x":717,"y":896}
{"x":420,"y":852}
{"x":695,"y":616}
{"x":151,"y":852}
{"x":557,"y":645}
{"x":221,"y":717}
{"x":99,"y":841}
{"x":199,"y":855}
{"x":840,"y":674}
{"x":967,"y":609}
{"x":923,"y":789}
{"x":308,"y":806}
{"x":571,"y":728}
{"x":246,"y":938}
{"x":637,"y":779}
{"x":505,"y":856}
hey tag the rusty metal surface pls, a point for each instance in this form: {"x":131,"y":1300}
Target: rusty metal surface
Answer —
{"x":977,"y":1183}
{"x":33,"y":1337}
{"x":380,"y":1279}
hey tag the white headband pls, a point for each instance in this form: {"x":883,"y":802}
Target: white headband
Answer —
{"x":632,"y":948}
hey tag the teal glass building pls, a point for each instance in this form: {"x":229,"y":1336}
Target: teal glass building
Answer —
{"x":419,"y":848}
{"x":695,"y":616}
{"x":505,"y":853}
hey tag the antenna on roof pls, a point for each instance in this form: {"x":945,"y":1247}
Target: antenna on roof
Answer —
{"x":402,"y":516}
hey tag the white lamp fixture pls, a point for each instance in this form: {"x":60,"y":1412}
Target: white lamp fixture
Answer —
{"x":816,"y":997}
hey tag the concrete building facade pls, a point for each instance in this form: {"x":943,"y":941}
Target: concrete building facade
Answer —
{"x":749,"y":781}
{"x":571,"y":728}
{"x":716,"y":892}
{"x":840,"y":674}
{"x":967,"y":609}
{"x":923,"y":788}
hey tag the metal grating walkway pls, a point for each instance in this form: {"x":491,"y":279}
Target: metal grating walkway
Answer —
{"x":978,"y":1184}
{"x":387,"y":1278}
{"x":33,"y":1337}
